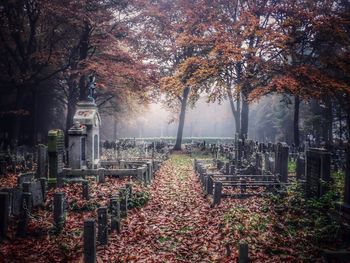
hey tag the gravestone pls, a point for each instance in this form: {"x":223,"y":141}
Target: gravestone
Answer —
{"x":102,"y":221}
{"x":114,"y":207}
{"x":37,"y":194}
{"x":281,"y":161}
{"x":300,"y":168}
{"x":16,"y":201}
{"x":3,"y":166}
{"x":87,"y":115}
{"x":42,"y":161}
{"x":258,"y":161}
{"x":77,"y":146}
{"x":318,"y":168}
{"x":123,"y":198}
{"x":24,"y":178}
{"x":25,"y":210}
{"x":59,"y":214}
{"x":56,"y":153}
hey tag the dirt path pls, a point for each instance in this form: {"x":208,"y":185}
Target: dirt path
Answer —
{"x":177,"y":225}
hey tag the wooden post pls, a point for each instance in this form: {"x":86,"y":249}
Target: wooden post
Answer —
{"x":89,"y":241}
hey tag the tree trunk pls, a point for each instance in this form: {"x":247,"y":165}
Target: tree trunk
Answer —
{"x":71,"y":101}
{"x":17,"y":118}
{"x":186,"y":92}
{"x":236,"y":110}
{"x":327,"y":127}
{"x":34,"y":136}
{"x":244,"y":117}
{"x":83,"y":54}
{"x":296,"y":121}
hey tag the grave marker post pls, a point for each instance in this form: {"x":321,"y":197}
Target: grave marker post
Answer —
{"x":318,"y":169}
{"x":25,"y":210}
{"x":59,"y":210}
{"x":217,"y":193}
{"x":102,"y":234}
{"x":89,"y":241}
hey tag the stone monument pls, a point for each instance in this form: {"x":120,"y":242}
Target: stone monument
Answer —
{"x":84,"y":136}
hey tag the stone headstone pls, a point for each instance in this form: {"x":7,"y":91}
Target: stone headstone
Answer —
{"x":37,"y":194}
{"x":42,"y":161}
{"x":24,"y":178}
{"x":300,"y":168}
{"x":3,"y":166}
{"x":56,"y":152}
{"x":59,"y":215}
{"x":281,"y":161}
{"x":123,"y":198}
{"x":318,"y":168}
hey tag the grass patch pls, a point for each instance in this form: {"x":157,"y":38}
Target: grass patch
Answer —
{"x":292,"y":166}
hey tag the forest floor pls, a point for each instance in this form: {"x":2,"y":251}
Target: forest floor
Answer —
{"x":178,"y":224}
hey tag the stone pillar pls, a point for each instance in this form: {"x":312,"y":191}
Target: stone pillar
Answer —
{"x":89,"y":241}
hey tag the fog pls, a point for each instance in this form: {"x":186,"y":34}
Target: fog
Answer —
{"x":204,"y":120}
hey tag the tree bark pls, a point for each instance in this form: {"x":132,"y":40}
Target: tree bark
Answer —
{"x":296,"y":121}
{"x":83,"y":54}
{"x":327,"y":128}
{"x":17,"y":118}
{"x":244,"y":117}
{"x":34,"y":136}
{"x":236,"y":110}
{"x":185,"y":95}
{"x":71,"y":101}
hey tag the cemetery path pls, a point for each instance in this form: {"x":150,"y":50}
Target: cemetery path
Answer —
{"x":177,"y":224}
